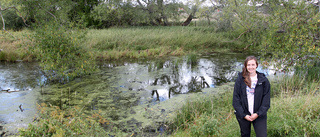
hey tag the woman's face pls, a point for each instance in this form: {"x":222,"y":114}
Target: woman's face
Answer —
{"x":251,"y":66}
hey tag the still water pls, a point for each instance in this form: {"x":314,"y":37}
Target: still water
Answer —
{"x":124,"y":90}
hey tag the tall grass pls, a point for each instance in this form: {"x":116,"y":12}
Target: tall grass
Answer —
{"x":294,"y":111}
{"x":206,"y":116}
{"x":15,"y":48}
{"x":133,"y":42}
{"x":154,"y":41}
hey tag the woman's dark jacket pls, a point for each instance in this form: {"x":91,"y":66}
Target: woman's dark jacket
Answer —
{"x":261,"y":97}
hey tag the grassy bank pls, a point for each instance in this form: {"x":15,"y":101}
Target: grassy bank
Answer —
{"x":295,"y":108}
{"x":13,"y":49}
{"x":133,"y":42}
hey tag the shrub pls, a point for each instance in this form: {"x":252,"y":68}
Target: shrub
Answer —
{"x":60,"y":54}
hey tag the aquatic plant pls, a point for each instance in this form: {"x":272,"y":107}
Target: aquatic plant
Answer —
{"x":192,"y":59}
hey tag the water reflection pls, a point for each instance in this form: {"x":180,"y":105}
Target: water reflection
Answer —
{"x":18,"y":101}
{"x":165,"y":78}
{"x":20,"y":76}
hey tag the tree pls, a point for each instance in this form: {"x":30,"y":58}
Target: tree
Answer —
{"x":155,"y":10}
{"x":286,"y":32}
{"x":192,"y":12}
{"x":293,"y":33}
{"x":11,"y":14}
{"x":80,"y":11}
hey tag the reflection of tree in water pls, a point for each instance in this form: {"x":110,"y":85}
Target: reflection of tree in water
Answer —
{"x":183,"y":78}
{"x":164,"y":79}
{"x":195,"y":85}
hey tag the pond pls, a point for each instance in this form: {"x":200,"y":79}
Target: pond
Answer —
{"x":136,"y":93}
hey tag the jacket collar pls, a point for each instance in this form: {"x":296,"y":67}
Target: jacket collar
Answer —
{"x":261,"y":77}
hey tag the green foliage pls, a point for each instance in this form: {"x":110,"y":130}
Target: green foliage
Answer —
{"x":125,"y":14}
{"x":52,"y":121}
{"x":284,"y":31}
{"x":80,"y":11}
{"x":12,"y":20}
{"x":295,"y":116}
{"x":293,"y":33}
{"x":60,"y":52}
{"x":43,"y":11}
{"x":309,"y":72}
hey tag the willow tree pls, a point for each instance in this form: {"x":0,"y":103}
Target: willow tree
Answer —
{"x":286,"y":32}
{"x":293,"y":33}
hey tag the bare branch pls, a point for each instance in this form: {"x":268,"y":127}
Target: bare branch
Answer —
{"x":241,"y":35}
{"x":48,"y":12}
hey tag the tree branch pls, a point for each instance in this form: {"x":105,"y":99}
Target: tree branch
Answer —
{"x":240,"y":35}
{"x":48,"y":12}
{"x":24,"y":21}
{"x":4,"y":24}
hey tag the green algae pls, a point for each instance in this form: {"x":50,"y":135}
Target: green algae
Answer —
{"x":124,"y":108}
{"x":124,"y":95}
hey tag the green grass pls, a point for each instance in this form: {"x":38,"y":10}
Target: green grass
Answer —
{"x":13,"y":49}
{"x":136,"y":42}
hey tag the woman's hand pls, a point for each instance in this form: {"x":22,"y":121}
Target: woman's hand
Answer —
{"x":254,"y":116}
{"x":251,"y":118}
{"x":247,"y":117}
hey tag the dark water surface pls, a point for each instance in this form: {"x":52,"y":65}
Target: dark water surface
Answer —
{"x":129,"y":92}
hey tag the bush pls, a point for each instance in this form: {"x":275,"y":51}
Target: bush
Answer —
{"x":60,"y":52}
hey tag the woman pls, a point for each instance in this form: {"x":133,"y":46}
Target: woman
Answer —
{"x":251,"y":99}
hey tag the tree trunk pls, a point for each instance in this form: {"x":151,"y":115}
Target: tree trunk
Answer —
{"x":188,"y":21}
{"x":191,"y":16}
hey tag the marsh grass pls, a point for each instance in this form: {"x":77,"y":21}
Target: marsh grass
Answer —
{"x":132,"y":42}
{"x":15,"y":49}
{"x":294,"y":111}
{"x":135,"y":42}
{"x":206,"y":116}
{"x":192,"y":59}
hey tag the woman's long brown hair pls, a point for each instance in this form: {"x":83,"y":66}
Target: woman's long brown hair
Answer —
{"x":245,"y":72}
